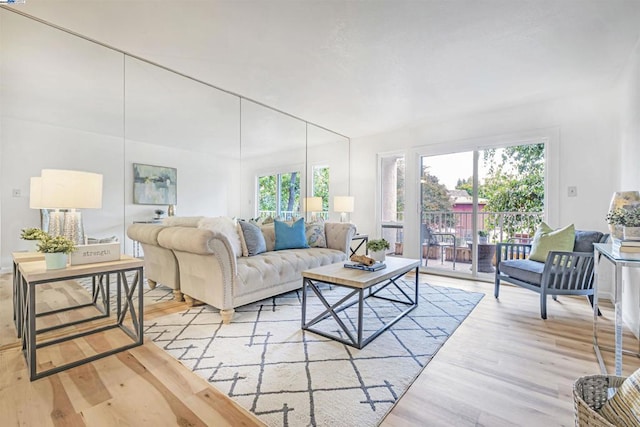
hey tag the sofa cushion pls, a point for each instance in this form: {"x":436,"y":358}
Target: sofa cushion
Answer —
{"x":274,"y":268}
{"x":243,"y":243}
{"x":253,"y":238}
{"x":290,"y":236}
{"x":523,"y":269}
{"x":269,"y":234}
{"x":546,"y":240}
{"x":584,"y":240}
{"x":315,"y":235}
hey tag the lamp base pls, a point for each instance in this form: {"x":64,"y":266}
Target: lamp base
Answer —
{"x":73,"y":227}
{"x":55,"y":227}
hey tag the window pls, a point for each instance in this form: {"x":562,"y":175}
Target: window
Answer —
{"x":392,"y":172}
{"x":320,"y":186}
{"x":279,"y":195}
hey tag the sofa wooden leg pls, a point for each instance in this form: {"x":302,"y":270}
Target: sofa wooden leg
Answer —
{"x":227,"y":315}
{"x":152,"y":283}
{"x":177,"y":295}
{"x":192,"y":302}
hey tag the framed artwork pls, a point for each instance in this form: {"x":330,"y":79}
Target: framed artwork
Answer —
{"x":154,"y":185}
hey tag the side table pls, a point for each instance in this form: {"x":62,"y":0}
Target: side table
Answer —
{"x":364,"y":239}
{"x":34,"y":274}
{"x":604,"y":250}
{"x":19,"y":257}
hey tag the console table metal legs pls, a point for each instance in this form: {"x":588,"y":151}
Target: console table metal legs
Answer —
{"x":126,"y":291}
{"x":356,"y":296}
{"x":600,"y":251}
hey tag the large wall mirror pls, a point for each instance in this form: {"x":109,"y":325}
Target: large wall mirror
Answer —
{"x":273,"y":162}
{"x":173,"y":121}
{"x":327,"y":168}
{"x":69,"y":103}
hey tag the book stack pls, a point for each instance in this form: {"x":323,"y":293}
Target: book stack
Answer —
{"x":626,"y":249}
{"x":374,"y":267}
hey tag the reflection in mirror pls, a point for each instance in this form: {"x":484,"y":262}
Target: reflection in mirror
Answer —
{"x":175,"y":122}
{"x":328,"y":168}
{"x":62,"y":108}
{"x":273,"y":163}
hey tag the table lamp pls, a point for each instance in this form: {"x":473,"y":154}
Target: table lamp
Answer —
{"x":67,"y":189}
{"x":52,"y":222}
{"x":344,"y":205}
{"x":313,"y":205}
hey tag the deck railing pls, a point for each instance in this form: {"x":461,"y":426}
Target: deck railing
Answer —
{"x":499,"y":226}
{"x":287,"y":215}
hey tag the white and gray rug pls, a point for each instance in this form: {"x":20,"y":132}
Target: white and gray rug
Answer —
{"x":287,"y":377}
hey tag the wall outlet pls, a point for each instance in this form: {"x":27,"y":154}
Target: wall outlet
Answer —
{"x":572,"y":191}
{"x":16,"y":192}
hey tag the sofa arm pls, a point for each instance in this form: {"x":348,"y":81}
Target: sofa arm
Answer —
{"x":339,"y":235}
{"x":206,"y":262}
{"x":199,"y":241}
{"x":145,"y":233}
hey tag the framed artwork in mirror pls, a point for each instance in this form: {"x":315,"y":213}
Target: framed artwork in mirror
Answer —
{"x":154,"y":185}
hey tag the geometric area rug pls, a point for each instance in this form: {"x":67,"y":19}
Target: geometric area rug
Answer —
{"x":289,"y":377}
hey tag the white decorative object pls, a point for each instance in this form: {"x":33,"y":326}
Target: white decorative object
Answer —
{"x":622,"y":199}
{"x":55,"y":260}
{"x":378,"y":255}
{"x":631,"y":233}
{"x":101,"y":252}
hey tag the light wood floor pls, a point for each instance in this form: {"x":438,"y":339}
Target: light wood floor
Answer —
{"x":504,"y":366}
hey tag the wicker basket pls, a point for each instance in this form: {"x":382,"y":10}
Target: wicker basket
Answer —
{"x":589,"y":394}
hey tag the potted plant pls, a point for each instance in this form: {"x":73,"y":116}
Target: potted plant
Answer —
{"x":377,"y":249}
{"x":32,"y":235}
{"x":631,"y":223}
{"x":56,"y":251}
{"x":482,"y":236}
{"x":625,"y":223}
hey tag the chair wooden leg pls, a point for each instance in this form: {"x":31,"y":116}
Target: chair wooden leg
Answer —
{"x":543,"y":306}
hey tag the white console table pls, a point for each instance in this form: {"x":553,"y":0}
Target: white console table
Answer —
{"x":604,"y":250}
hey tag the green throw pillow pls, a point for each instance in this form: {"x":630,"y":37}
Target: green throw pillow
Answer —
{"x":623,"y":409}
{"x":547,"y":239}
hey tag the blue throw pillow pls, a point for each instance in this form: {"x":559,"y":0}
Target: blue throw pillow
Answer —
{"x":253,"y":238}
{"x":290,"y":236}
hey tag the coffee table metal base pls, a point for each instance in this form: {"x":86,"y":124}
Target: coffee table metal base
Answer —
{"x":360,"y":294}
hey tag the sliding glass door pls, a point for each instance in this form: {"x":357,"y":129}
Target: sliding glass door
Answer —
{"x":471,"y":200}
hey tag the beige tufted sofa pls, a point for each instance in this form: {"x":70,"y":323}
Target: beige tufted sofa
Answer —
{"x":212,"y":271}
{"x":160,"y":264}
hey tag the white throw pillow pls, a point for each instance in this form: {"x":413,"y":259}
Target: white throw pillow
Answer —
{"x":225,"y":226}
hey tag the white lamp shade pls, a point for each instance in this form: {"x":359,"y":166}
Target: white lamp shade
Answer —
{"x":343,"y":204}
{"x":313,"y":204}
{"x":35,"y":193}
{"x":65,"y":189}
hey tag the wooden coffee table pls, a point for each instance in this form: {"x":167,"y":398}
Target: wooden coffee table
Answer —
{"x":363,"y":284}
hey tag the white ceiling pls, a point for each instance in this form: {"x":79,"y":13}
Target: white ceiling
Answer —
{"x":365,"y":67}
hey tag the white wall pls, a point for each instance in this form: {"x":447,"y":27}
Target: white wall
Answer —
{"x":27,"y":147}
{"x":206,"y":183}
{"x":629,"y":176}
{"x":582,"y":131}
